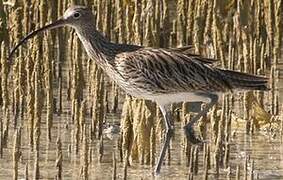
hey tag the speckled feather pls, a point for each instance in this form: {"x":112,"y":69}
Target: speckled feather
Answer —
{"x":145,"y":72}
{"x":161,"y":71}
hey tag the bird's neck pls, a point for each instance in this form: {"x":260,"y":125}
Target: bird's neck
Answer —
{"x":99,"y":48}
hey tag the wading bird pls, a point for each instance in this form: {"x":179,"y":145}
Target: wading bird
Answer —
{"x":164,"y":76}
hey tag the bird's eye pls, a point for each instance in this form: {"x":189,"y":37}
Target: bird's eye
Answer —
{"x":77,"y":15}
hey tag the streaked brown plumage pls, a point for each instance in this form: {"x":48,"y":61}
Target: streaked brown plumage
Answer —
{"x":158,"y":71}
{"x":162,"y":75}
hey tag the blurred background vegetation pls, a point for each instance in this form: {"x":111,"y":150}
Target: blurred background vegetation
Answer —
{"x":53,"y":87}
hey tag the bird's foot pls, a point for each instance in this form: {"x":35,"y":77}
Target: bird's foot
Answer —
{"x":171,"y":130}
{"x":156,"y":173}
{"x":192,"y":138}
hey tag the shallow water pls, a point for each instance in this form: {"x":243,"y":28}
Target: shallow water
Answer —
{"x":264,"y":150}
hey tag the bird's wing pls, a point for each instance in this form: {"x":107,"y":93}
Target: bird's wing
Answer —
{"x":165,"y":71}
{"x":188,"y":51}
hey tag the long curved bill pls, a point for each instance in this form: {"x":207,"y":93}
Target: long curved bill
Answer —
{"x":56,"y":24}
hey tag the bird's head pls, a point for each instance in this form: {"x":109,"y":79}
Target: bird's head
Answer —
{"x":76,"y":17}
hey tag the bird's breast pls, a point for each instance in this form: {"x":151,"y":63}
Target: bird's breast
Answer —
{"x":128,"y":85}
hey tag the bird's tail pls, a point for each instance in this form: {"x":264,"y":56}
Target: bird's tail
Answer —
{"x":244,"y":81}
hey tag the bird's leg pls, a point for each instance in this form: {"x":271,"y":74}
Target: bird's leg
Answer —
{"x":167,"y":114}
{"x":189,"y":126}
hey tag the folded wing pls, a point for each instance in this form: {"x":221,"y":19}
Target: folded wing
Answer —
{"x":167,"y":71}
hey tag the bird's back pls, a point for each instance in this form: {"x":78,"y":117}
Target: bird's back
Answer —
{"x":162,"y":71}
